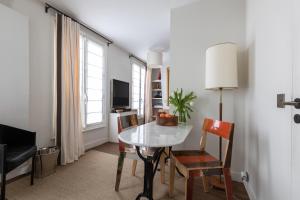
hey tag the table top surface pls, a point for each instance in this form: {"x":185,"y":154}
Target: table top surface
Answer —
{"x":153,"y":135}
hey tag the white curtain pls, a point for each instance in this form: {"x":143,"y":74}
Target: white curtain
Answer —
{"x":148,"y":96}
{"x":71,"y":126}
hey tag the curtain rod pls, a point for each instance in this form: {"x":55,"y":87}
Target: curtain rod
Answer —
{"x":137,"y":58}
{"x":48,"y":6}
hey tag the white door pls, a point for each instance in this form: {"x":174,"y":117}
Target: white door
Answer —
{"x":296,"y":94}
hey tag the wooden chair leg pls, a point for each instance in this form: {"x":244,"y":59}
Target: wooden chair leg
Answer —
{"x":134,"y":164}
{"x":172,"y":177}
{"x":205,"y":181}
{"x":162,"y":168}
{"x":189,"y":182}
{"x":32,"y":170}
{"x":119,"y":170}
{"x":228,"y":183}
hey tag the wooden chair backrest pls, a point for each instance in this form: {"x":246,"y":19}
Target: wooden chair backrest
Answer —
{"x":126,"y":122}
{"x":221,"y":129}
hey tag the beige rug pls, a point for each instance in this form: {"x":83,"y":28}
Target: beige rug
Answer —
{"x":93,"y":178}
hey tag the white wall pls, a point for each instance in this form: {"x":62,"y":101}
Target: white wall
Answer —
{"x":40,"y":63}
{"x":268,"y":129}
{"x":194,"y":28}
{"x":40,"y":70}
{"x":14,"y":76}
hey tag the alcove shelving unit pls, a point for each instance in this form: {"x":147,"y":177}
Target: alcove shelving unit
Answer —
{"x":157,"y":93}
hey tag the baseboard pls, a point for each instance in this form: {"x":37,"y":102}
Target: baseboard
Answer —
{"x":236,"y":176}
{"x":250,"y":191}
{"x":95,"y":143}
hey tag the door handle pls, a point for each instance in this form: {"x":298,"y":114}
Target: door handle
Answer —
{"x":297,"y":119}
{"x":281,"y":103}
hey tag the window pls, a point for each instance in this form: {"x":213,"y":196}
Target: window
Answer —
{"x":138,"y":88}
{"x":92,"y":81}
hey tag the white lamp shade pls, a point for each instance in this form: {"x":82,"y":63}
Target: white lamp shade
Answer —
{"x":221,"y":67}
{"x":154,"y":59}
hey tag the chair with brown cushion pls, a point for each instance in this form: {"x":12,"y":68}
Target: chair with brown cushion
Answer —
{"x":129,"y":151}
{"x":193,"y":163}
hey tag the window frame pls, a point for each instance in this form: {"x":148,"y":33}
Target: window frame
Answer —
{"x":87,"y":36}
{"x":140,"y":65}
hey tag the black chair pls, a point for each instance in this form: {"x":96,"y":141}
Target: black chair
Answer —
{"x":16,"y":147}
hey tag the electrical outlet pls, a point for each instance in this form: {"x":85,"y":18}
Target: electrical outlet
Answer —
{"x":245,"y":176}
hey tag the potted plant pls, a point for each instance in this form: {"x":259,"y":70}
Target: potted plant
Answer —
{"x":182,"y":103}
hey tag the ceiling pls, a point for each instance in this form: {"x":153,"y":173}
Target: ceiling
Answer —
{"x":134,"y":25}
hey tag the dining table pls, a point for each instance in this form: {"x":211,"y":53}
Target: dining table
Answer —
{"x":150,"y":140}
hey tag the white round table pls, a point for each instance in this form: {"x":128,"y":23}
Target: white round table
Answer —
{"x":151,"y":135}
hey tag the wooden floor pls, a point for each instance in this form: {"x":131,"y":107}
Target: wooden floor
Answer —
{"x":239,"y":190}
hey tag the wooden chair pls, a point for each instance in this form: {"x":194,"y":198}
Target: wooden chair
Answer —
{"x":193,"y":163}
{"x":129,"y":151}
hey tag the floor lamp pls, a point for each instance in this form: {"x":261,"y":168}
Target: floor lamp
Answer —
{"x":221,"y":74}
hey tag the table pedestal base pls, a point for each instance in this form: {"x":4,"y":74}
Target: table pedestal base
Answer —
{"x":151,"y":163}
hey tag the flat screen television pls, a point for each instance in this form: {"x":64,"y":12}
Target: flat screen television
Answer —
{"x":120,"y":94}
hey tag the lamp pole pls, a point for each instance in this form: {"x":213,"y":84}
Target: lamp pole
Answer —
{"x":220,"y":118}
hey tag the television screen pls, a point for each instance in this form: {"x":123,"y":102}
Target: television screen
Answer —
{"x":120,"y":93}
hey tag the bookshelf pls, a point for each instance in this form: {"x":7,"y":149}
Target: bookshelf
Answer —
{"x":157,"y":92}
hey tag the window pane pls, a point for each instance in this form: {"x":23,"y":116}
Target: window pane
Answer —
{"x":94,"y":106}
{"x":95,"y":48}
{"x":138,"y":87}
{"x":136,"y":74}
{"x":94,"y":83}
{"x":136,"y":82}
{"x":136,"y":97}
{"x":94,"y":94}
{"x":135,"y":68}
{"x":135,"y":91}
{"x":95,"y":72}
{"x":135,"y":104}
{"x":92,"y":80}
{"x":93,"y":118}
{"x":95,"y":60}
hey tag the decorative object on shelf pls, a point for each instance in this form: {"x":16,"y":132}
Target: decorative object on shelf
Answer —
{"x":166,"y":119}
{"x":158,"y":94}
{"x":221,"y":73}
{"x":156,"y":85}
{"x":183,"y":104}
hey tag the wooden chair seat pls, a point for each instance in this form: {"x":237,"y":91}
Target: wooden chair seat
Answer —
{"x":196,"y":160}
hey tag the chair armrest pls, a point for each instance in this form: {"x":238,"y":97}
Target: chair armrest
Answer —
{"x":15,"y":136}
